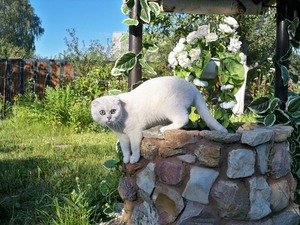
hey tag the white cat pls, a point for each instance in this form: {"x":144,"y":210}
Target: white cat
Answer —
{"x":157,"y":101}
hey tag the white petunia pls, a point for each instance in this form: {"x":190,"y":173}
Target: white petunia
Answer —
{"x":234,"y":45}
{"x":192,"y":38}
{"x":224,"y":28}
{"x":210,"y":37}
{"x":181,"y":40}
{"x":202,"y":31}
{"x":200,"y":83}
{"x":227,"y":105}
{"x":172,"y":59}
{"x":231,"y":21}
{"x":226,"y":87}
{"x":194,"y":53}
{"x":179,"y":48}
{"x":183,"y":60}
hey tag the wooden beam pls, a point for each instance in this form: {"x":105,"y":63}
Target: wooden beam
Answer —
{"x":225,"y":7}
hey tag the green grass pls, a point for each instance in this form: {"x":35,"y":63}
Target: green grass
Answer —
{"x":48,"y":173}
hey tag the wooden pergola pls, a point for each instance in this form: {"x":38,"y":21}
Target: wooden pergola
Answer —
{"x":286,"y":9}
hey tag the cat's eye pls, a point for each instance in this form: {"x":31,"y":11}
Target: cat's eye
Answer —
{"x":102,"y":112}
{"x":113,"y":111}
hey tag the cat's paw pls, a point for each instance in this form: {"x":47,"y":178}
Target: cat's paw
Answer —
{"x":126,"y":159}
{"x":163,"y":129}
{"x":134,"y":159}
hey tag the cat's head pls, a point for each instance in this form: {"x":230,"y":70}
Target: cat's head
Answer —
{"x":107,"y":111}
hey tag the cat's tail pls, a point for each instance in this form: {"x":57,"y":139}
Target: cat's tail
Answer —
{"x":205,"y":114}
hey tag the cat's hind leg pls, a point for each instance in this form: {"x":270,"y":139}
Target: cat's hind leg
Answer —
{"x":125,"y":146}
{"x":178,"y":118}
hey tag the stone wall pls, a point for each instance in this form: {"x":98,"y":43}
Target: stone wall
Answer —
{"x":206,"y":177}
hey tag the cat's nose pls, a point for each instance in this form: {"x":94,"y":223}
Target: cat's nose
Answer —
{"x":109,"y":118}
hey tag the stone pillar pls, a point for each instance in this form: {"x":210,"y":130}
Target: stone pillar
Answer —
{"x":207,"y":177}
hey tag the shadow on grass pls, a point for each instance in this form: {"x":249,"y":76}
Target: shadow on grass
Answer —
{"x":28,"y":187}
{"x":22,"y":187}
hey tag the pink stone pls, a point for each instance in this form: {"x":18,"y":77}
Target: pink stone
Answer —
{"x":170,"y":171}
{"x":128,"y":188}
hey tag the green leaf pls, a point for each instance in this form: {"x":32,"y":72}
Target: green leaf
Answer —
{"x":130,"y":22}
{"x":260,"y":119}
{"x":274,"y":103}
{"x":150,"y":47}
{"x":293,"y":26}
{"x":295,"y":43}
{"x":147,"y":67}
{"x":295,"y":114}
{"x":294,"y":78}
{"x":127,"y":7}
{"x":145,"y":11}
{"x":218,"y":114}
{"x":115,"y":72}
{"x":109,"y":164}
{"x":114,"y":92}
{"x":154,"y":6}
{"x":235,"y":69}
{"x":104,"y":188}
{"x":269,"y":120}
{"x":287,"y":55}
{"x":260,"y":105}
{"x":284,"y":75}
{"x":282,"y":117}
{"x":293,"y":105}
{"x":126,"y":62}
{"x":297,"y":120}
{"x":124,"y":37}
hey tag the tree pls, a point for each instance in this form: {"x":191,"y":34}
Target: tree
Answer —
{"x":84,"y":57}
{"x":19,"y":27}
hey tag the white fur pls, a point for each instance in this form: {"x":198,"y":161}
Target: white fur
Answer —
{"x":163,"y":100}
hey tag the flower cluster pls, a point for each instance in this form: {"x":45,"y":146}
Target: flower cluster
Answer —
{"x":192,"y":55}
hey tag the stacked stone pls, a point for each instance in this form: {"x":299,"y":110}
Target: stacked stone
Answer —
{"x":208,"y":177}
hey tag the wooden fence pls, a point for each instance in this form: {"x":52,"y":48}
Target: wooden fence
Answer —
{"x":21,"y":75}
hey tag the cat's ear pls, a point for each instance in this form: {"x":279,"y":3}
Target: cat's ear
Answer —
{"x":95,"y":103}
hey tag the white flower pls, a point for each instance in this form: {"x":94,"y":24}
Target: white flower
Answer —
{"x":179,"y":48}
{"x":226,"y":87}
{"x":194,"y":53}
{"x":231,"y":21}
{"x":210,"y":37}
{"x":200,"y":83}
{"x":234,"y":45}
{"x":224,"y":28}
{"x":181,"y":40}
{"x":172,"y":59}
{"x":202,"y":31}
{"x":227,"y":105}
{"x":192,"y":38}
{"x":183,"y":60}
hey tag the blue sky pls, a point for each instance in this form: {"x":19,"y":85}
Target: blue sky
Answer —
{"x":92,"y":20}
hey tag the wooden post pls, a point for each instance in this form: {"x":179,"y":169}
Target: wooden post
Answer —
{"x":282,"y":46}
{"x":135,"y":45}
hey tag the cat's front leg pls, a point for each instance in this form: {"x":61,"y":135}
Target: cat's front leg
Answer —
{"x":135,"y":141}
{"x":125,"y":146}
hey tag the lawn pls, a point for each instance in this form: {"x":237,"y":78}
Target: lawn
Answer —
{"x":52,"y":175}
